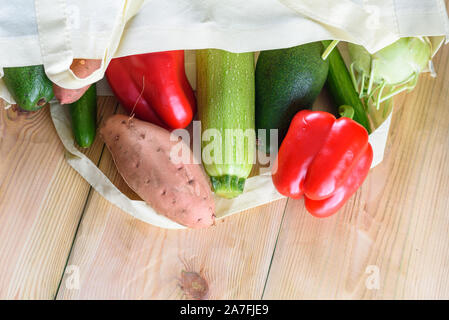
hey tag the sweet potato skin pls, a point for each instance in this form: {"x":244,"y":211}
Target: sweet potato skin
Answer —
{"x":141,"y":152}
{"x":82,"y":68}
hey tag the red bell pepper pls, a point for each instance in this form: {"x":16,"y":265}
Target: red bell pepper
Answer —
{"x":154,"y":86}
{"x":323,"y":158}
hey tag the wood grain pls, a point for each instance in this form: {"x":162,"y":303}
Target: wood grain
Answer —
{"x":397,"y":224}
{"x":59,"y":239}
{"x":41,"y":201}
{"x":119,"y":257}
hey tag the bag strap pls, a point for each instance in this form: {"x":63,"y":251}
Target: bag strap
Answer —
{"x":54,"y":31}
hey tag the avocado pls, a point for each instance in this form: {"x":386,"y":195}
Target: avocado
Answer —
{"x":287,"y":81}
{"x":29,"y":86}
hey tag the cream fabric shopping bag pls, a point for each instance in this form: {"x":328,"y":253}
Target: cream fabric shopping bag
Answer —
{"x":53,"y":32}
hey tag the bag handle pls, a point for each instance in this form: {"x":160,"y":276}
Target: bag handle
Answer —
{"x":55,"y":41}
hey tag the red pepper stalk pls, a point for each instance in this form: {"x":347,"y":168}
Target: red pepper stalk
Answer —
{"x":154,"y":86}
{"x":323,"y":159}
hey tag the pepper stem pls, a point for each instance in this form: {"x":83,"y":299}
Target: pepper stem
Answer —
{"x":346,"y":111}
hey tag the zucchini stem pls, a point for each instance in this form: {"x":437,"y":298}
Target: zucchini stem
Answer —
{"x":228,"y":186}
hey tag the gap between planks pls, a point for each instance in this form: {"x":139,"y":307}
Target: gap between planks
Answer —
{"x":89,"y":194}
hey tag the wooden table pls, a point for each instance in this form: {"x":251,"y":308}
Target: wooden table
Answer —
{"x":59,"y":239}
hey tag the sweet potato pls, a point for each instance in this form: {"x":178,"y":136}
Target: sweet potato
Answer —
{"x":141,"y":152}
{"x":82,"y":68}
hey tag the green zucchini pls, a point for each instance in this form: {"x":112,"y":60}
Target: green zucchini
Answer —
{"x":29,"y":86}
{"x":84,"y":117}
{"x":225,"y":96}
{"x":341,"y":87}
{"x":287,"y":81}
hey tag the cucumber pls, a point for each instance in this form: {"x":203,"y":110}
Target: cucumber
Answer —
{"x":84,"y":117}
{"x":287,"y":81}
{"x":225,"y":97}
{"x":342,"y":89}
{"x":29,"y":86}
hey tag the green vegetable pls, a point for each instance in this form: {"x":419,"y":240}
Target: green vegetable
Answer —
{"x":287,"y":81}
{"x":84,"y":117}
{"x":29,"y":86}
{"x":225,"y":95}
{"x":342,"y":89}
{"x":346,"y":111}
{"x":397,"y":65}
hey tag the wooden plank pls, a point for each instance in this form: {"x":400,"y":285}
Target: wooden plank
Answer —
{"x":395,"y":227}
{"x":118,"y":257}
{"x":41,"y":201}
